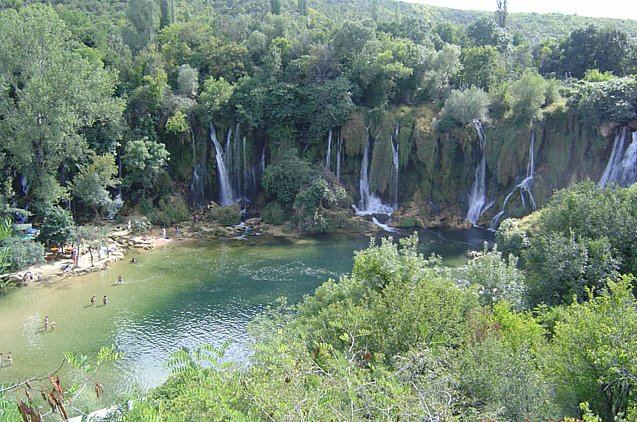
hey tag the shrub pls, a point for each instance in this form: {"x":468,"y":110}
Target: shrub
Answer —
{"x":226,"y":216}
{"x":171,"y":210}
{"x":139,"y":225}
{"x":465,"y":106}
{"x":23,"y":253}
{"x":273,"y":213}
{"x":285,"y":179}
{"x":58,"y":226}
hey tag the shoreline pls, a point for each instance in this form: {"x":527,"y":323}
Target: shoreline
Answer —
{"x":121,"y":242}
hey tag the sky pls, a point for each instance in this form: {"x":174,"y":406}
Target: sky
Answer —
{"x":620,"y":9}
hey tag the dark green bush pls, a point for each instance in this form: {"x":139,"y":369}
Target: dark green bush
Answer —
{"x":23,"y":253}
{"x":226,"y":216}
{"x":273,"y":213}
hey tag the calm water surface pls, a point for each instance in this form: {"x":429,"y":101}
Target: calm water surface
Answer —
{"x":183,"y":294}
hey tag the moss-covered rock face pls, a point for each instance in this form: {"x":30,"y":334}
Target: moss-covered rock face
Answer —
{"x":437,"y":163}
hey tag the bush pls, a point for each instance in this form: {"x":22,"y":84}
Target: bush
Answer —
{"x":139,"y":225}
{"x":465,"y":106}
{"x":226,"y":216}
{"x":284,"y":180}
{"x":58,"y":226}
{"x":273,"y":213}
{"x":170,"y":211}
{"x":23,"y":253}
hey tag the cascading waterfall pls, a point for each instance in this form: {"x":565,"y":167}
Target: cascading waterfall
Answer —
{"x":478,"y":196}
{"x":369,"y":203}
{"x":197,"y":184}
{"x":628,"y":174}
{"x":226,"y":196}
{"x":339,"y":154}
{"x":621,"y":166}
{"x":329,"y":150}
{"x":524,"y":187}
{"x":396,"y":162}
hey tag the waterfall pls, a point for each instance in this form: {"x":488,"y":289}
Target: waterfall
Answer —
{"x":226,"y":196}
{"x":628,"y":173}
{"x":369,"y":203}
{"x":621,"y":164}
{"x":524,"y":187}
{"x":329,"y":150}
{"x":396,"y":162}
{"x":478,"y":196}
{"x":197,"y":184}
{"x":339,"y":153}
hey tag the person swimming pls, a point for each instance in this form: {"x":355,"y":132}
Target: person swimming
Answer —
{"x":52,"y":325}
{"x":133,"y":260}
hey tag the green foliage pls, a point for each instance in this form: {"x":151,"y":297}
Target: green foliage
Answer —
{"x":482,"y":67}
{"x":170,"y":210}
{"x":226,"y":216}
{"x":139,"y":225}
{"x":57,"y":227}
{"x":593,"y":348}
{"x":177,"y":123}
{"x":466,"y":106}
{"x":144,"y":160}
{"x":22,"y":252}
{"x":273,"y":213}
{"x":48,"y":97}
{"x":497,"y":279}
{"x":91,"y":183}
{"x":527,"y":95}
{"x":215,"y":95}
{"x":285,"y":179}
{"x":614,"y":100}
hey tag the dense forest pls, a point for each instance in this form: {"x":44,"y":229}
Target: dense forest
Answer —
{"x":308,"y":113}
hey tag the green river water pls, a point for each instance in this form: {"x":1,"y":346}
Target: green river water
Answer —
{"x":183,"y":294}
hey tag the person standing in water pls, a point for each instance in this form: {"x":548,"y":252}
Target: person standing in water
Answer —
{"x":9,"y":358}
{"x":46,"y":323}
{"x":52,"y":325}
{"x":105,"y":300}
{"x":119,"y":279}
{"x":92,"y":300}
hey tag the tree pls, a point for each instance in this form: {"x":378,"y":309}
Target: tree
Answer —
{"x":468,"y":105}
{"x":143,"y":17}
{"x":144,"y":160}
{"x":593,"y":348}
{"x":57,"y":227}
{"x":501,"y":13}
{"x":188,"y":81}
{"x":51,"y":93}
{"x":485,"y":32}
{"x":215,"y":96}
{"x":167,"y":13}
{"x":482,"y":67}
{"x":92,"y":182}
{"x":527,"y":95}
{"x":594,"y":48}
